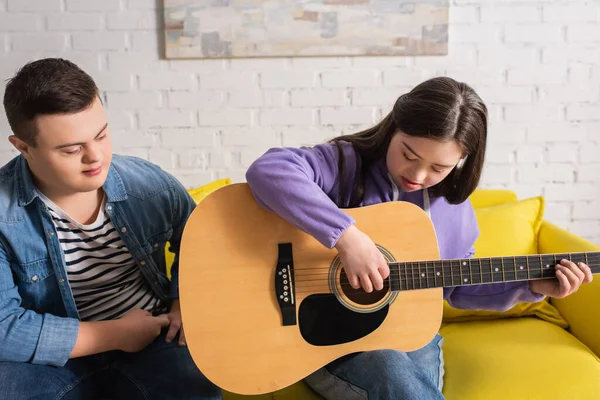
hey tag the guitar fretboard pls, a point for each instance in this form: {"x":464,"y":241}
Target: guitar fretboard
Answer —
{"x":476,"y":271}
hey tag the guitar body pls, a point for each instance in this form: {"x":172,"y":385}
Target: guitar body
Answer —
{"x":231,"y":308}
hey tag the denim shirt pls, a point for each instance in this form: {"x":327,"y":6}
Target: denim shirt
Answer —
{"x":39,"y":321}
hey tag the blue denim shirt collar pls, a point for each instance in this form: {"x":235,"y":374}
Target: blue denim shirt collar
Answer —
{"x":113,"y":186}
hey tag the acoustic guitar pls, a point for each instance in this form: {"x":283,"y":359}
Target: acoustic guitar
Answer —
{"x":264,"y":304}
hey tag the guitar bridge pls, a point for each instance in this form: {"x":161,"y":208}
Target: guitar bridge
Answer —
{"x":284,"y":284}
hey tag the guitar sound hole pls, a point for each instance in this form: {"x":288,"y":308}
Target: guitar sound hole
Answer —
{"x":359,"y":296}
{"x":324,"y":321}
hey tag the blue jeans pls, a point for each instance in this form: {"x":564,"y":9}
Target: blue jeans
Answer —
{"x":383,"y":375}
{"x":160,"y":371}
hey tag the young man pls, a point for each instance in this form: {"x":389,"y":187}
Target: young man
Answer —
{"x":86,"y":308}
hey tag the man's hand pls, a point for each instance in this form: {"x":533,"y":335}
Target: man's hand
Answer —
{"x":569,"y":277}
{"x":138,"y":328}
{"x":175,"y":324}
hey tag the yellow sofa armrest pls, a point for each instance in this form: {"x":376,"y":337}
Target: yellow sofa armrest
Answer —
{"x":580,"y":309}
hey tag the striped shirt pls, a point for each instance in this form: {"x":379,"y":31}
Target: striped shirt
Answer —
{"x":104,"y":278}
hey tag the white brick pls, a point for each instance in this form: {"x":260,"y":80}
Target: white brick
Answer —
{"x":275,"y":98}
{"x":529,"y":154}
{"x":545,"y":74}
{"x":220,"y":160}
{"x":74,"y":22}
{"x":39,"y":42}
{"x":476,"y":77}
{"x":586,"y":210}
{"x":570,"y":12}
{"x":6,"y":156}
{"x":384,"y":97}
{"x":9,"y":64}
{"x":229,"y":80}
{"x":119,"y":119}
{"x":136,"y":61}
{"x":532,"y":174}
{"x":88,"y":5}
{"x":556,"y":132}
{"x":571,"y":191}
{"x":498,"y":174}
{"x":588,"y":172}
{"x":510,"y":14}
{"x":506,"y":95}
{"x":130,"y":138}
{"x":165,"y":118}
{"x":192,"y":159}
{"x":380,"y":62}
{"x":166,"y":81}
{"x":145,"y":41}
{"x":533,"y":34}
{"x":342,"y":79}
{"x":20,"y":22}
{"x":500,"y":154}
{"x":132,"y":20}
{"x":458,"y":54}
{"x":249,"y":155}
{"x":99,"y":41}
{"x":494,"y":56}
{"x":143,"y":5}
{"x":569,"y":93}
{"x":584,"y":228}
{"x":296,"y":116}
{"x":554,"y":211}
{"x":562,"y":153}
{"x":318,"y":97}
{"x":187,"y":138}
{"x":405,"y":77}
{"x":559,"y":173}
{"x":583,"y":112}
{"x":527,"y":190}
{"x":2,"y":5}
{"x":226,"y":117}
{"x":347,"y":115}
{"x":196,"y":66}
{"x":321,"y":63}
{"x":583,"y":33}
{"x":88,"y":61}
{"x":476,"y":33}
{"x":133,"y":100}
{"x":297,"y":136}
{"x":248,"y":137}
{"x":163,"y":157}
{"x":534,"y":112}
{"x":139,"y":152}
{"x":259,"y":64}
{"x":246,"y":99}
{"x":463,"y":15}
{"x":562,"y":54}
{"x":505,"y":133}
{"x":37,"y":6}
{"x":113,"y":81}
{"x":196,"y":100}
{"x":287,"y":79}
{"x":580,"y":74}
{"x":590,"y":153}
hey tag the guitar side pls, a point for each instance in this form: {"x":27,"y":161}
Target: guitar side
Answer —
{"x":232,"y":319}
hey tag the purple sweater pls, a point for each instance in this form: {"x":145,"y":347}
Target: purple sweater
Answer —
{"x":301,"y":185}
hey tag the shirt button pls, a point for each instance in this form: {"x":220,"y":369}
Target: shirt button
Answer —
{"x":50,"y":234}
{"x":109,"y":208}
{"x":123,"y":229}
{"x":143,"y":262}
{"x":155,"y":245}
{"x":34,"y":278}
{"x":61,"y":280}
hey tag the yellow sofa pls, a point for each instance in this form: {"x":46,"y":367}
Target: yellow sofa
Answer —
{"x":544,"y":351}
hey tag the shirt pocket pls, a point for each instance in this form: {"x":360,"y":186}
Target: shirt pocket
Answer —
{"x":37,"y":289}
{"x":157,"y":242}
{"x":34,"y":272}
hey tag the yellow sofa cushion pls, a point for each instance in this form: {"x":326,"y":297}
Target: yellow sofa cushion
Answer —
{"x":507,"y":229}
{"x":523,"y":358}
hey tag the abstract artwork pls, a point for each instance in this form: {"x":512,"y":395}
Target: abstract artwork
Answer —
{"x":285,"y":28}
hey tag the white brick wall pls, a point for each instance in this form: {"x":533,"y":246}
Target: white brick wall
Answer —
{"x":536,"y":63}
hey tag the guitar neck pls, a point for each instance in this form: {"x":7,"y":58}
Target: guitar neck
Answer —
{"x":477,"y":271}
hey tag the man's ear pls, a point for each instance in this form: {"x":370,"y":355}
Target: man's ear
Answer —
{"x":20,"y":145}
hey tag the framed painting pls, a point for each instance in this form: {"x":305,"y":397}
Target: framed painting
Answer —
{"x":293,"y":28}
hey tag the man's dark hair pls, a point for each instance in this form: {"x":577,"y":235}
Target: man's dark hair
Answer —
{"x":45,"y":87}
